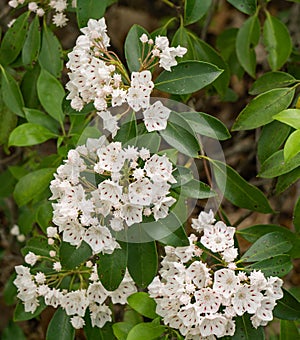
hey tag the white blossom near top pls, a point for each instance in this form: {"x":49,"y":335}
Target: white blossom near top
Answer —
{"x":202,"y":302}
{"x":156,"y":117}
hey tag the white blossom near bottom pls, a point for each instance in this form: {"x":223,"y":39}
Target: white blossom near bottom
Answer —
{"x":202,"y":302}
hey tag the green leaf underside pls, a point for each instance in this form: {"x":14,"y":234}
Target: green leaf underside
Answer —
{"x":60,"y":327}
{"x":187,"y":77}
{"x":261,"y":109}
{"x":269,"y":245}
{"x":237,"y":190}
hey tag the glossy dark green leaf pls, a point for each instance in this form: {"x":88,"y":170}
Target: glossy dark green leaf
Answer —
{"x":26,"y":219}
{"x":275,"y":131}
{"x":121,"y":330}
{"x":127,"y":132}
{"x":32,"y":43}
{"x":150,"y":141}
{"x":194,"y":10}
{"x":187,"y":77}
{"x":206,"y":125}
{"x":271,"y":80}
{"x":245,"y":6}
{"x":238,"y":191}
{"x":111,"y":268}
{"x":143,"y":270}
{"x":183,"y":38}
{"x":29,"y":134}
{"x":50,"y":57}
{"x":92,"y":9}
{"x":287,"y":308}
{"x":180,"y":135}
{"x":92,"y":333}
{"x":274,"y":243}
{"x":44,"y":215}
{"x":292,"y":146}
{"x":286,"y":180}
{"x":244,"y":329}
{"x":290,"y":117}
{"x":60,"y":327}
{"x":278,"y":265}
{"x":246,"y":40}
{"x":276,"y":35}
{"x":21,"y":315}
{"x":196,"y":189}
{"x":289,"y":330}
{"x":8,"y":121}
{"x":254,"y":232}
{"x":275,"y":165}
{"x":71,"y":256}
{"x":296,"y":219}
{"x":38,"y":117}
{"x":143,"y":304}
{"x":51,"y":94}
{"x":13,"y":331}
{"x":145,"y":331}
{"x":29,"y":87}
{"x":12,"y":95}
{"x":38,"y":245}
{"x":32,"y":184}
{"x":8,"y":183}
{"x":13,"y":40}
{"x":261,"y":109}
{"x":134,"y":48}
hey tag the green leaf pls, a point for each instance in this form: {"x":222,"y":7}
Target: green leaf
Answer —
{"x":32,"y":185}
{"x":51,"y":94}
{"x":72,"y":256}
{"x":143,"y":270}
{"x":8,"y":122}
{"x":13,"y":331}
{"x":185,"y":39}
{"x":206,"y":125}
{"x":44,"y":215}
{"x":289,"y":330}
{"x":41,"y":118}
{"x":267,"y":246}
{"x":290,"y":117}
{"x":292,"y":146}
{"x":21,"y":315}
{"x":38,"y":245}
{"x":196,"y":189}
{"x":287,"y":308}
{"x":261,"y":109}
{"x":205,"y":52}
{"x":13,"y":40}
{"x":296,"y":219}
{"x":12,"y":96}
{"x":29,"y":87}
{"x":275,"y":131}
{"x":286,"y":180}
{"x":127,"y":132}
{"x":92,"y":333}
{"x":92,"y":9}
{"x":31,"y":48}
{"x":145,"y":331}
{"x":8,"y":183}
{"x":10,"y":290}
{"x":271,"y":80}
{"x":254,"y":232}
{"x":150,"y":141}
{"x":134,"y":48}
{"x":276,"y":35}
{"x":29,"y":134}
{"x":245,"y":6}
{"x":278,"y":265}
{"x":121,"y":330}
{"x":50,"y":57}
{"x":111,"y":268}
{"x":244,"y":329}
{"x":143,"y":304}
{"x":180,"y":135}
{"x":246,"y":40}
{"x":194,"y":10}
{"x":187,"y":77}
{"x":26,"y":219}
{"x":60,"y":327}
{"x":237,"y":190}
{"x":275,"y":165}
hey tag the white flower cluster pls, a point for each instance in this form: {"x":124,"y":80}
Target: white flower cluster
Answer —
{"x":202,"y":302}
{"x":41,"y":7}
{"x":133,"y":184}
{"x":98,"y":76}
{"x":75,"y":303}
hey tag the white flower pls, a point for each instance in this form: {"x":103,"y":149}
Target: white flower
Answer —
{"x":161,"y":208}
{"x":258,"y":279}
{"x":110,"y":122}
{"x":246,"y":299}
{"x":77,"y":322}
{"x":188,"y":315}
{"x":40,"y":278}
{"x":58,"y":5}
{"x":53,"y":297}
{"x":213,"y":324}
{"x":52,"y":253}
{"x":111,"y":157}
{"x":208,"y":300}
{"x":125,"y":289}
{"x":230,"y":254}
{"x":140,"y":192}
{"x":218,"y":238}
{"x":110,"y":191}
{"x":100,"y":315}
{"x":118,"y":97}
{"x":57,"y":266}
{"x":198,"y":273}
{"x":31,"y":258}
{"x":97,"y":293}
{"x":264,"y":311}
{"x":161,"y":42}
{"x":225,"y":282}
{"x":156,"y":117}
{"x":32,"y":6}
{"x":40,"y":12}
{"x":100,"y":239}
{"x":60,"y":19}
{"x":204,"y":220}
{"x":31,"y":305}
{"x":96,"y":29}
{"x":13,"y":3}
{"x":273,"y":287}
{"x":75,"y":302}
{"x":132,"y":213}
{"x":159,"y":169}
{"x":52,"y":232}
{"x":15,"y":230}
{"x":144,"y":38}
